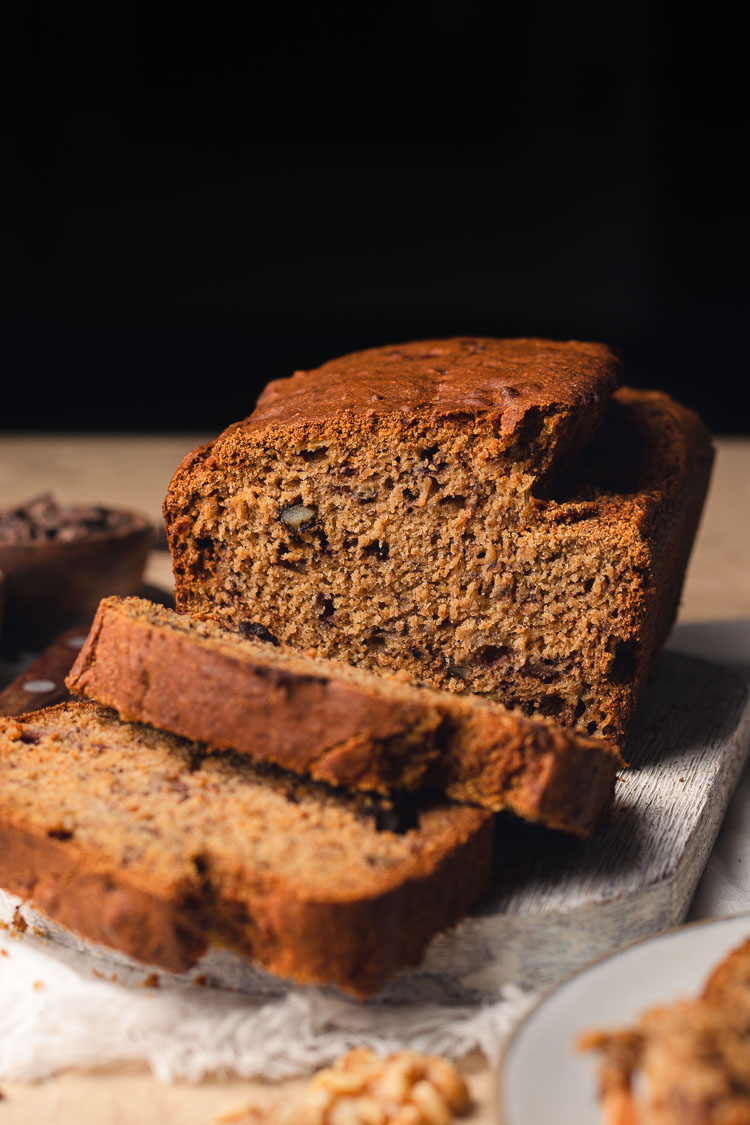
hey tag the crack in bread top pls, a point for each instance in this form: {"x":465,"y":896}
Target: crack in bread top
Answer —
{"x":504,"y":378}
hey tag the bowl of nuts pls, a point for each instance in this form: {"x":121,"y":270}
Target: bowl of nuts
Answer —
{"x":59,"y":560}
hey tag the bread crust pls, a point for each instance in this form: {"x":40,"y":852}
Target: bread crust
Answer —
{"x":145,"y":843}
{"x":622,"y":520}
{"x":228,"y":692}
{"x":343,"y":726}
{"x":506,"y":379}
{"x":96,"y":900}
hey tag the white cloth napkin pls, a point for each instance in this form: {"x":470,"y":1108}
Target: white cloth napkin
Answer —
{"x":56,"y":1012}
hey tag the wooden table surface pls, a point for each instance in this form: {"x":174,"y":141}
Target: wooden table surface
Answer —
{"x":134,"y":471}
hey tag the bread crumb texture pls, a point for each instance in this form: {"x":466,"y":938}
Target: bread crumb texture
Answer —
{"x":148,"y":843}
{"x":483,"y":514}
{"x":341,"y":725}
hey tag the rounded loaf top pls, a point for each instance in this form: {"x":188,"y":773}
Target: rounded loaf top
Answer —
{"x":466,"y":374}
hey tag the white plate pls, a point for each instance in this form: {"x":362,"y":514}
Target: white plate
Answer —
{"x":544,"y":1078}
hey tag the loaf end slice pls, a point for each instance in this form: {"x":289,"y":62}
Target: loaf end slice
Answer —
{"x":149,"y":844}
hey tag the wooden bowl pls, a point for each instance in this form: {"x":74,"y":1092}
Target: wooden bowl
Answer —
{"x":53,"y":585}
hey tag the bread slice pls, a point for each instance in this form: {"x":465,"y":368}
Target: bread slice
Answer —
{"x":436,"y":507}
{"x":686,"y":1063}
{"x":339,"y":724}
{"x":148,"y":844}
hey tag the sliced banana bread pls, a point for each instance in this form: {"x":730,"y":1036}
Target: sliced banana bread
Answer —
{"x":146,"y":843}
{"x":429,"y":507}
{"x":342,"y":725}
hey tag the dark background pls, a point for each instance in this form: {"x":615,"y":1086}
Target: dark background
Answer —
{"x":196,"y":202}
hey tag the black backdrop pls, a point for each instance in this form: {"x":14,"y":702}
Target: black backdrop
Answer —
{"x":197,"y":201}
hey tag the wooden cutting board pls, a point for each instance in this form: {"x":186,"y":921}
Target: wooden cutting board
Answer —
{"x":559,"y":902}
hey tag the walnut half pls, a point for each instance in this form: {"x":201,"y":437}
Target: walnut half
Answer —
{"x":362,"y":1088}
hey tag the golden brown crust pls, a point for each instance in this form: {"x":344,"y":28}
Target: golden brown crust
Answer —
{"x":658,"y":453}
{"x":504,"y":379}
{"x":341,"y":725}
{"x":100,"y":904}
{"x":506,"y":382}
{"x":145,"y":843}
{"x":199,"y":681}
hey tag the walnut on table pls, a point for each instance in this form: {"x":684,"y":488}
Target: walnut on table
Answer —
{"x":363,"y":1088}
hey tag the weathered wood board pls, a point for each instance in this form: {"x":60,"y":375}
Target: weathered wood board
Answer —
{"x":559,"y":902}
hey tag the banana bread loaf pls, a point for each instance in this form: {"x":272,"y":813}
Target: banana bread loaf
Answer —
{"x":148,"y":844}
{"x":340,"y":724}
{"x":430,"y":507}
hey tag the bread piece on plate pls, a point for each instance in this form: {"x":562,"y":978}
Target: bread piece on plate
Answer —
{"x":146,"y":843}
{"x":686,"y":1063}
{"x":341,"y":725}
{"x":439,"y":507}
